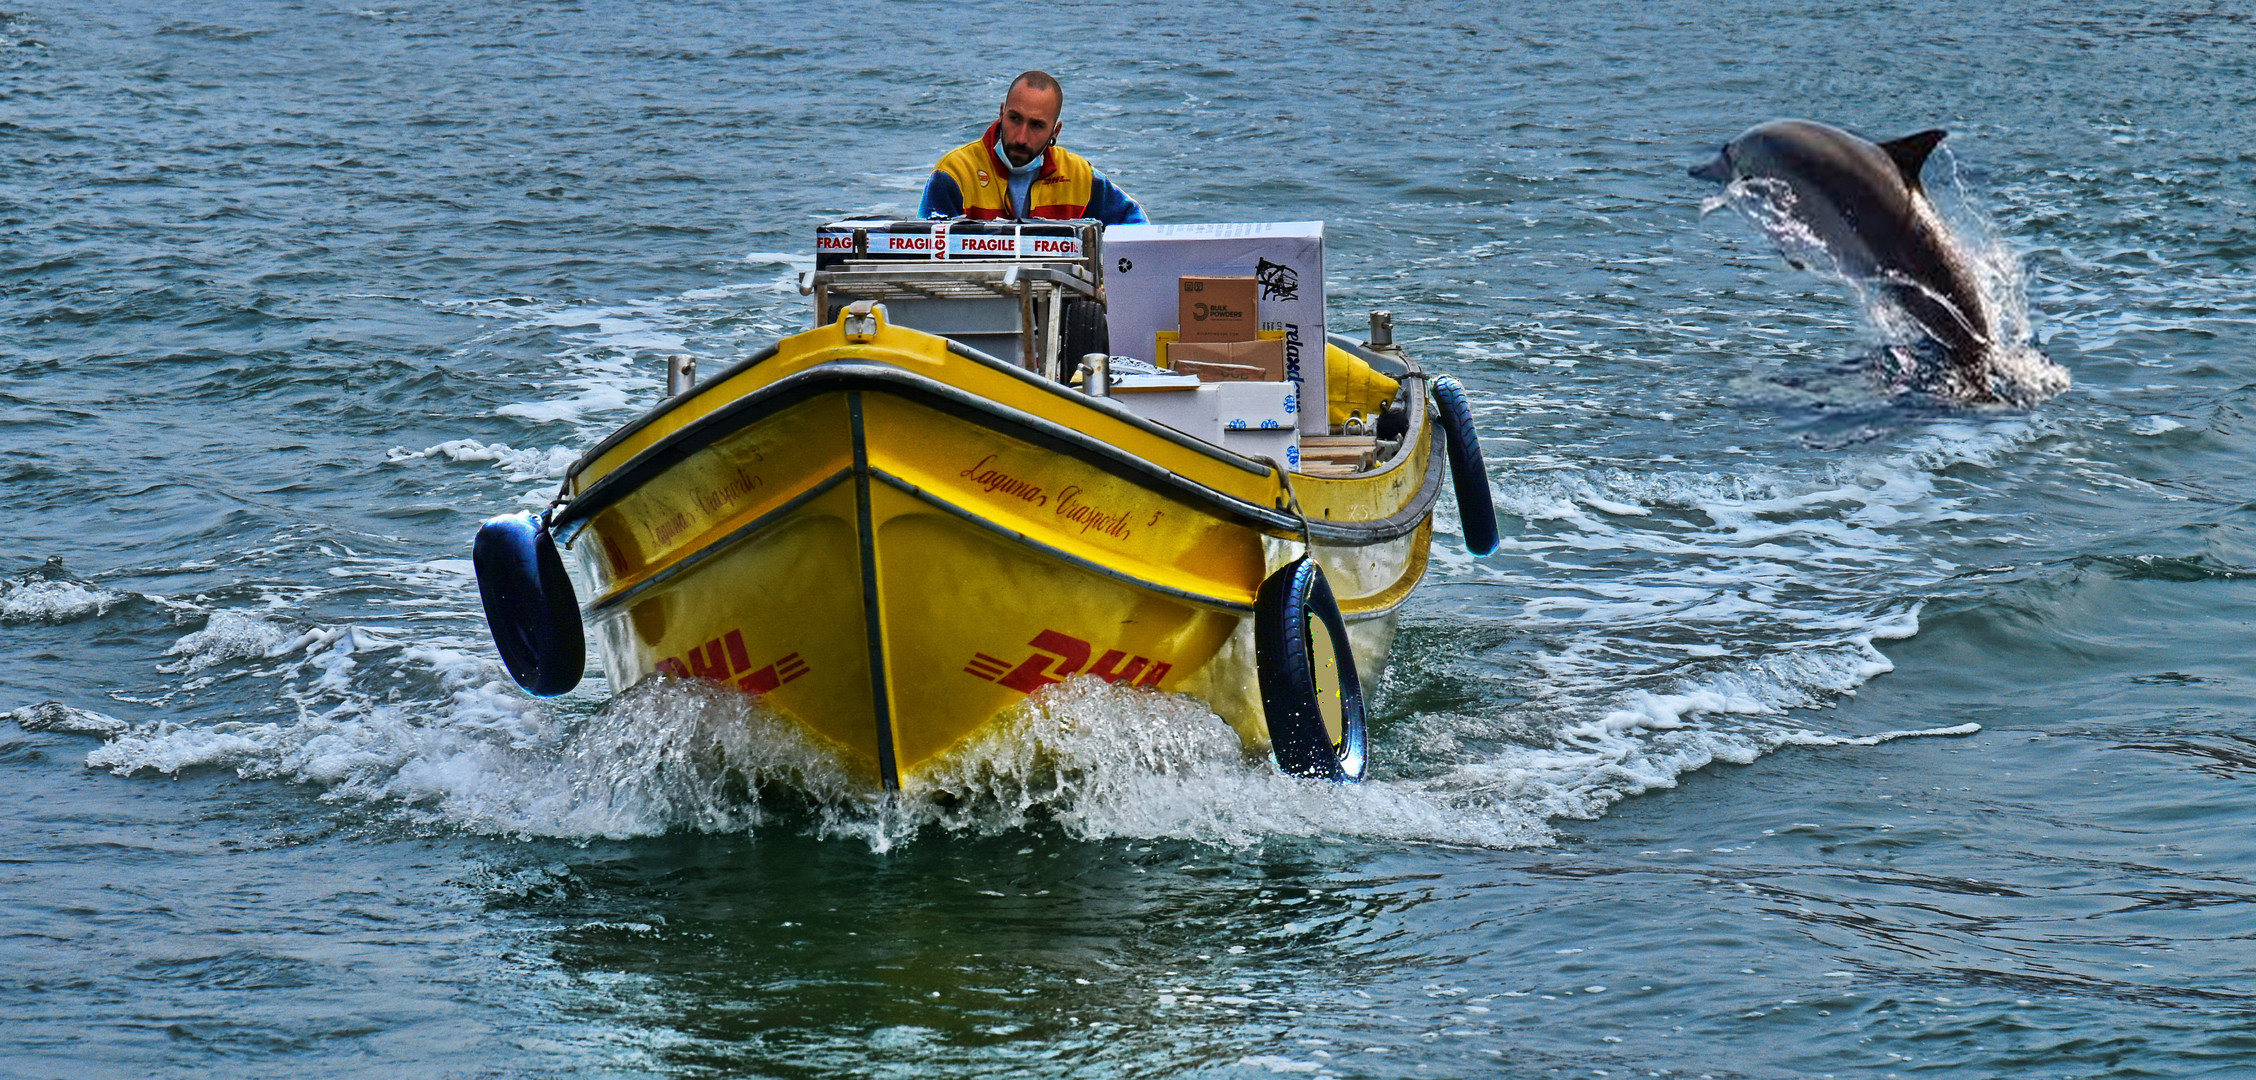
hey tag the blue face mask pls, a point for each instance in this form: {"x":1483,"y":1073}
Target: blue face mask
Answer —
{"x":1021,"y":178}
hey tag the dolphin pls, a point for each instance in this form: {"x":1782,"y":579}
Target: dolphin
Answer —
{"x":1863,"y":201}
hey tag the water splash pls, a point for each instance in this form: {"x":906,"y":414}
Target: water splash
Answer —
{"x":227,"y":635}
{"x":1102,"y":761}
{"x":2016,"y":372}
{"x":1092,"y":759}
{"x":675,"y":754}
{"x":58,"y":717}
{"x":518,"y":465}
{"x":52,"y":594}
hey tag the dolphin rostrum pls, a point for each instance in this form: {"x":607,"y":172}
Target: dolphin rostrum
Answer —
{"x":1864,"y":203}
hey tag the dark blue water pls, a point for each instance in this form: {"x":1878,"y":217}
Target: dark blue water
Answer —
{"x":1799,"y":729}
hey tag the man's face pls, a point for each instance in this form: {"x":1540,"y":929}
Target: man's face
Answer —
{"x":1030,"y":122}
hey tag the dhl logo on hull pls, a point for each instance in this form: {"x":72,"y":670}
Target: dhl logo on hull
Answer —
{"x":1061,"y":656}
{"x":726,"y":656}
{"x":1057,"y":657}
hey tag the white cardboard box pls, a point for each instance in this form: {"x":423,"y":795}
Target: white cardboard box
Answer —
{"x":1257,"y":405}
{"x":1283,"y":443}
{"x":1194,"y":410}
{"x":1144,"y":263}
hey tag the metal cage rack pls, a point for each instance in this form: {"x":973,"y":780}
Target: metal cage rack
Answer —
{"x":1007,"y":305}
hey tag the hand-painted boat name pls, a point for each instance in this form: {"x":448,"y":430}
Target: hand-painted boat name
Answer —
{"x":1090,"y":517}
{"x":671,"y":527}
{"x":1062,"y":656}
{"x":726,"y":656}
{"x":997,"y":481}
{"x":731,"y":492}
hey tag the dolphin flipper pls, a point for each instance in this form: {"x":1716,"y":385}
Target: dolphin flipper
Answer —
{"x":1910,"y":154}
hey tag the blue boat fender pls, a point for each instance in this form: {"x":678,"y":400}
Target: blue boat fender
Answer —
{"x":530,"y":607}
{"x":1475,"y":506}
{"x":1310,"y":694}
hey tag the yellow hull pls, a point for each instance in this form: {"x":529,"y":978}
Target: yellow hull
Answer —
{"x":894,"y":541}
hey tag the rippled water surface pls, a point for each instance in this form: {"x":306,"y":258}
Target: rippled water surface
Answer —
{"x":1801,"y":727}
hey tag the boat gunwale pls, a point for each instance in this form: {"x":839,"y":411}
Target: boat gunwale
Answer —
{"x":769,"y":517}
{"x":845,"y":376}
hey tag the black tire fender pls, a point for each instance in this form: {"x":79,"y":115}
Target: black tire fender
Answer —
{"x":530,"y":608}
{"x":1310,"y":694}
{"x":1468,"y":473}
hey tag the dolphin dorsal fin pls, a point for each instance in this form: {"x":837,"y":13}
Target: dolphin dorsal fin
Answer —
{"x":1910,"y":154}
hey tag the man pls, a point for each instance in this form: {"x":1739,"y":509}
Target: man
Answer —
{"x":1017,"y":170}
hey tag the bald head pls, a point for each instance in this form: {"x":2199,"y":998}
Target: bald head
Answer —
{"x":1029,"y":121}
{"x":1039,"y":81}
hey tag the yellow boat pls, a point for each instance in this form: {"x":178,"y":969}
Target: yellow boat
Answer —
{"x":893,"y":538}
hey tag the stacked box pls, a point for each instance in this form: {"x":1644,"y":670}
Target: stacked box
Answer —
{"x":1218,"y":308}
{"x":1260,"y":419}
{"x":1257,"y":405}
{"x":1277,"y":444}
{"x":1144,"y":266}
{"x":1178,"y":401}
{"x":1237,"y":361}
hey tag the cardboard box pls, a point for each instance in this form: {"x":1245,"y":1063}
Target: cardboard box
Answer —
{"x":1144,"y":265}
{"x":1192,"y":409}
{"x":1255,"y":405}
{"x":1229,"y":361}
{"x":1222,"y":372}
{"x":1217,"y":308}
{"x":1252,"y":418}
{"x":1283,"y":444}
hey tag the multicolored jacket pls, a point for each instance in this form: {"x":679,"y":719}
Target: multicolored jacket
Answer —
{"x":972,"y":182}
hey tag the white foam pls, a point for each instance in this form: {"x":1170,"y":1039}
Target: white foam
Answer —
{"x":1811,"y":738}
{"x":56,"y":716}
{"x":518,"y":465}
{"x":226,"y":636}
{"x":608,"y":363}
{"x":672,"y":754}
{"x":36,"y":599}
{"x":1105,"y":762}
{"x":50,"y":594}
{"x":1690,"y":634}
{"x":574,"y":409}
{"x":1098,"y":760}
{"x":1277,"y":1064}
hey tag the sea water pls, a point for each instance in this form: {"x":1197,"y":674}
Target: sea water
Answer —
{"x":1800,"y":727}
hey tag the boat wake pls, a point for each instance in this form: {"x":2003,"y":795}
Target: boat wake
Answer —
{"x":1092,"y":759}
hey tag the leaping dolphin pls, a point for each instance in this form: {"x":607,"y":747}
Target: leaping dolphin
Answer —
{"x":1864,"y":203}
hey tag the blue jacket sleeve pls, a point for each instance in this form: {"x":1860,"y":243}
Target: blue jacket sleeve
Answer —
{"x":1109,"y":204}
{"x":941,"y":197}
